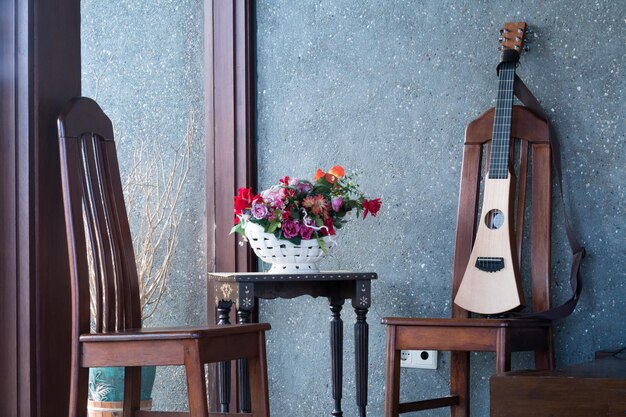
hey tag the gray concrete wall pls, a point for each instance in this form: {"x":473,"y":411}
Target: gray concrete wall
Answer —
{"x":386,"y":88}
{"x":143,"y":62}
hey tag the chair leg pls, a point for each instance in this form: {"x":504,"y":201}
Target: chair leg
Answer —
{"x":544,"y":360}
{"x":392,"y":378}
{"x":196,"y":383}
{"x":259,"y":391}
{"x":459,"y":383}
{"x":79,"y":385}
{"x":503,"y":352}
{"x":132,"y":390}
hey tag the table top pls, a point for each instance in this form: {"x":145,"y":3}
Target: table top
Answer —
{"x":315,"y":276}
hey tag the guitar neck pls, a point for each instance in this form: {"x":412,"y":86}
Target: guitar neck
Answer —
{"x":500,"y":143}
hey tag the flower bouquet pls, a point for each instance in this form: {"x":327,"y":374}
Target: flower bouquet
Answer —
{"x":291,"y":224}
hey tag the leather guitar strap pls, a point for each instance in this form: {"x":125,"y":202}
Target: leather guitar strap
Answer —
{"x":578,"y":251}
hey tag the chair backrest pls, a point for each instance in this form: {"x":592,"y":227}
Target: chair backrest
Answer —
{"x":102,"y":261}
{"x":532,"y":151}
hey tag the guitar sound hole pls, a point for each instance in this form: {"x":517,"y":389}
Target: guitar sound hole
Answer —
{"x":494,"y":219}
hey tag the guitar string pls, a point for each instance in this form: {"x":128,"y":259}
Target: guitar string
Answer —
{"x":502,"y":123}
{"x":501,"y":135}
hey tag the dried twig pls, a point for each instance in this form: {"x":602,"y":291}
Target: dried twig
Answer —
{"x":152,"y":192}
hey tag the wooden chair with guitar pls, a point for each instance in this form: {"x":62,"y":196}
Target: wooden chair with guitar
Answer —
{"x":488,"y":249}
{"x":100,"y":250}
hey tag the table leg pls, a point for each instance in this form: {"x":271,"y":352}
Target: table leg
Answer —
{"x":223,"y":368}
{"x":361,"y":334}
{"x":243,"y":379}
{"x":336,"y":352}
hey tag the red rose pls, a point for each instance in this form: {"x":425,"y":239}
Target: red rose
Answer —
{"x":245,"y":193}
{"x":284,"y":180}
{"x":244,"y":199}
{"x":371,"y":206}
{"x":329,"y":229}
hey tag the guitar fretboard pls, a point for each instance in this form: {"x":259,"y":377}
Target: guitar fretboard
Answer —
{"x":499,"y":159}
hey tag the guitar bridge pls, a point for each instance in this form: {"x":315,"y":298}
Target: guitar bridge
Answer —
{"x":488,"y":264}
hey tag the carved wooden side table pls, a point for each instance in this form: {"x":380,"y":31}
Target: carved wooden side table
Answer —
{"x":243,"y":288}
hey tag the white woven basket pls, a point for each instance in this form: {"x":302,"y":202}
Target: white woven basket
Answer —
{"x":284,"y":256}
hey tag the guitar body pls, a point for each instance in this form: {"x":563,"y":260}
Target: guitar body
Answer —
{"x":491,"y":283}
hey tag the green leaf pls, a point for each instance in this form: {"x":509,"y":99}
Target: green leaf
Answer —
{"x":322,"y":244}
{"x":296,"y":240}
{"x":238,"y":228}
{"x":273,"y":226}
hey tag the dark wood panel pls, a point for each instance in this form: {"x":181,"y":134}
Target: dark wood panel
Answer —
{"x":591,"y":389}
{"x":229,"y":127}
{"x":40,"y":69}
{"x":56,"y":79}
{"x":8,"y":214}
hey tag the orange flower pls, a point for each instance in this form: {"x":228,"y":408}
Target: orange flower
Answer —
{"x":337,"y":171}
{"x":333,"y":174}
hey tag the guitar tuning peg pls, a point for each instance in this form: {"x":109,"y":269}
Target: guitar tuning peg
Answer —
{"x":529,"y":32}
{"x":500,"y":39}
{"x":527,"y":41}
{"x":526,"y":48}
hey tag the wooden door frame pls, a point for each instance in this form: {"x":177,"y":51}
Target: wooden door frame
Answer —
{"x":39,"y":72}
{"x":229,"y":125}
{"x":230,"y":138}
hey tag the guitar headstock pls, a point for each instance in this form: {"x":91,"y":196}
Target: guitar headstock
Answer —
{"x":513,"y":36}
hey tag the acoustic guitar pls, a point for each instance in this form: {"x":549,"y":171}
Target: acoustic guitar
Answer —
{"x":491,"y":283}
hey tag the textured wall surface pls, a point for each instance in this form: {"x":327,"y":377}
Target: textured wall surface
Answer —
{"x":386,"y":88}
{"x":142,"y":61}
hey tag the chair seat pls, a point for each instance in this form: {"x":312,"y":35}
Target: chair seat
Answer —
{"x":465,"y":322}
{"x":174,"y":333}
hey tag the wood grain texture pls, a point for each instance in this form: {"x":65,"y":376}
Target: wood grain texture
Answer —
{"x":468,"y":199}
{"x":595,"y":388}
{"x":9,"y":214}
{"x":392,"y":371}
{"x":493,"y":292}
{"x":40,"y":70}
{"x":541,"y":227}
{"x":196,"y":385}
{"x":230,"y":140}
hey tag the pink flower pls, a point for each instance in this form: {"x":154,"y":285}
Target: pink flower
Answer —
{"x":303,"y":187}
{"x":306,"y":232}
{"x":259,"y":211}
{"x":290,"y":229}
{"x":272,"y":197}
{"x":337,"y":202}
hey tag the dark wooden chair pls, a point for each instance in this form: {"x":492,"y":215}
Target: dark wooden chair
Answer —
{"x":99,"y":243}
{"x":462,"y":334}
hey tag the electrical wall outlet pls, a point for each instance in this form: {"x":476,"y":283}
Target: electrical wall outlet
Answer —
{"x":423,"y":359}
